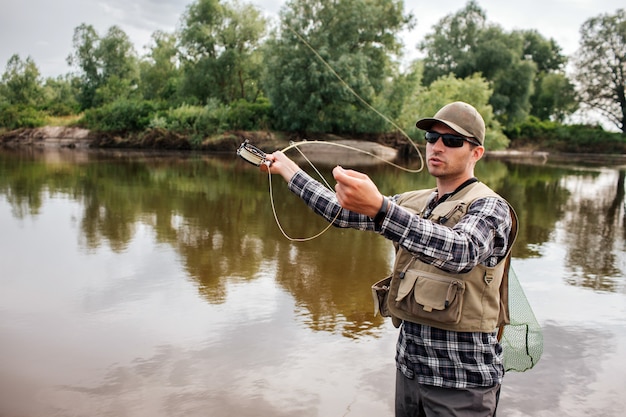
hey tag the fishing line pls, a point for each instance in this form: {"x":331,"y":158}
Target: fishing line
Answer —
{"x":257,"y":157}
{"x":362,"y":100}
{"x":299,"y":239}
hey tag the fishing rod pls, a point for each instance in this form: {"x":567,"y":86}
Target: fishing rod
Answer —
{"x":254,"y":155}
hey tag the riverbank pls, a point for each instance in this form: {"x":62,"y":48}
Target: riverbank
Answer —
{"x":386,"y":146}
{"x":389,"y":146}
{"x":74,"y":137}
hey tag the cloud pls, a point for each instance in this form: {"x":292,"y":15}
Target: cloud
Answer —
{"x":43,"y":29}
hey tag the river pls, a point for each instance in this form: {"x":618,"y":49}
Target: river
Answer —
{"x":159,"y":284}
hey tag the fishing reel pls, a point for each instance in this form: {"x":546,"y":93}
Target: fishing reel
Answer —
{"x":250,"y":153}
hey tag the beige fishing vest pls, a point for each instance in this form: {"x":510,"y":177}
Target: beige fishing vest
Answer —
{"x":476,"y":301}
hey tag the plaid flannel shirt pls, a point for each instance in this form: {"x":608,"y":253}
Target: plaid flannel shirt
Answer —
{"x":434,"y":356}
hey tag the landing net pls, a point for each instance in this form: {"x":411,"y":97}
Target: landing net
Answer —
{"x":522,"y":339}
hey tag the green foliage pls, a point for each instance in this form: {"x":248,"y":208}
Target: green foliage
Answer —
{"x":546,"y":53}
{"x":114,"y":89}
{"x":213,"y":119}
{"x":600,"y":66}
{"x":20,"y":116}
{"x":556,"y":137}
{"x":108,"y":67}
{"x":465,"y":43}
{"x":180,"y":119}
{"x":60,"y":97}
{"x":473,"y":90}
{"x":555,"y":97}
{"x":588,"y":139}
{"x":532,"y":127}
{"x":451,"y":47}
{"x":512,"y":90}
{"x":320,"y":40}
{"x":243,"y":115}
{"x":218,"y":51}
{"x":159,"y":73}
{"x":120,"y":115}
{"x":20,"y":83}
{"x":412,"y":96}
{"x":195,"y":121}
{"x":215,"y":73}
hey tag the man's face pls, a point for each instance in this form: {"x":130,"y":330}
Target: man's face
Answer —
{"x":451,"y":163}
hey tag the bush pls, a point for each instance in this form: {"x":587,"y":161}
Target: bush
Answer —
{"x":532,"y":128}
{"x":19,"y":116}
{"x":588,"y":139}
{"x":62,"y":109}
{"x":552,"y":136}
{"x":244,"y":115}
{"x":122,"y":115}
{"x":212,"y":120}
{"x":182,"y":119}
{"x":195,"y":121}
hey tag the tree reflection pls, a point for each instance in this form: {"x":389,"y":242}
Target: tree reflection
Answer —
{"x":217,"y":215}
{"x":537,"y":196}
{"x":594,"y":230}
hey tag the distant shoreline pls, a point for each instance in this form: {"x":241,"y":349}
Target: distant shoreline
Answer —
{"x":79,"y":138}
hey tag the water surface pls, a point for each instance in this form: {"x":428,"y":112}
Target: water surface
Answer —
{"x":158,"y":284}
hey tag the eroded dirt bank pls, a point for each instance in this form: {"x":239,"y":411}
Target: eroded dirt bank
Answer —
{"x":72,"y":137}
{"x":387,"y":145}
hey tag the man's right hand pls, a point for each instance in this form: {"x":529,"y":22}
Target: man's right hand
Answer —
{"x":357,"y":192}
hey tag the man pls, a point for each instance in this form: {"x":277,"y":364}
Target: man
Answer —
{"x":448,"y":288}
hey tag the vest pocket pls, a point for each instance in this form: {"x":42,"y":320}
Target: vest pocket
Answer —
{"x":429,"y":296}
{"x":380,"y":293}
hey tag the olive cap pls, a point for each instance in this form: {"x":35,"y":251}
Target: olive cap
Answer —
{"x":460,"y":117}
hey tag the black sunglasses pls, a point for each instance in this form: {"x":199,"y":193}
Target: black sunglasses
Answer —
{"x":449,"y":140}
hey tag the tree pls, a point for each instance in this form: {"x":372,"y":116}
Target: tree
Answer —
{"x":554,"y":96}
{"x":321,"y":40}
{"x":464,"y":43}
{"x":451,"y":47}
{"x":85,"y":41}
{"x":21,"y":83}
{"x":61,"y":96}
{"x":219,"y":43}
{"x":399,"y":96}
{"x":601,"y":66}
{"x":425,"y":101}
{"x":159,"y":70}
{"x":546,"y":53}
{"x":499,"y":59}
{"x":108,"y":67}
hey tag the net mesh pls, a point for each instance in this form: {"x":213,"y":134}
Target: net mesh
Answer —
{"x":522,"y":339}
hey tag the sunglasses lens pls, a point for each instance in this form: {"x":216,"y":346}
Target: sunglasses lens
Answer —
{"x":452,"y":141}
{"x":431,"y":137}
{"x":449,"y":140}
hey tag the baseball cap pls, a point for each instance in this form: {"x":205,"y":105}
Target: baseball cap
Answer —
{"x":460,"y":117}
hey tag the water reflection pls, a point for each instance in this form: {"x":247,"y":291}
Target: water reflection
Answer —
{"x":165,"y":275}
{"x":581,"y":387}
{"x":214,"y":212}
{"x":594,"y":231}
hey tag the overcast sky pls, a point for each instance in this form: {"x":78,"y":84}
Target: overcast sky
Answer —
{"x":43,"y":29}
